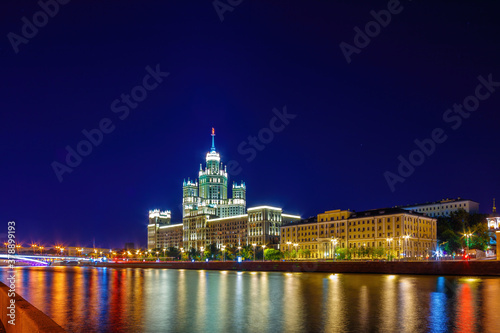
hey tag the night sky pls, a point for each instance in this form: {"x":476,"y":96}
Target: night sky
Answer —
{"x":350,"y":122}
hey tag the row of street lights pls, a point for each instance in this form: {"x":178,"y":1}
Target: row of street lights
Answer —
{"x":7,"y":244}
{"x":61,"y":249}
{"x":41,"y":248}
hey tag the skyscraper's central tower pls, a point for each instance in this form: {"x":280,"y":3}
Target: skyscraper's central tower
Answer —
{"x":213,"y":180}
{"x":209,"y":196}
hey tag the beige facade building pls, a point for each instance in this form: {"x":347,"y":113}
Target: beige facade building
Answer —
{"x":403,"y":233}
{"x":261,"y":226}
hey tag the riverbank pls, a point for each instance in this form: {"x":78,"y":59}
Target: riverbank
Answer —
{"x":463,"y":268}
{"x":19,"y":316}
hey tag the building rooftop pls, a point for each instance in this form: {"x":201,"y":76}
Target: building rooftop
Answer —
{"x":384,"y":211}
{"x":443,"y":201}
{"x":366,"y":213}
{"x":309,"y":220}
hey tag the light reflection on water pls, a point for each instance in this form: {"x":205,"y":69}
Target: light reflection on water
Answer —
{"x":87,"y":299}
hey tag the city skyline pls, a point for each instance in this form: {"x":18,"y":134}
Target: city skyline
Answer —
{"x":249,"y":166}
{"x":332,"y":124}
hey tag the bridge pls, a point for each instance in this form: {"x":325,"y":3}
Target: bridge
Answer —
{"x":38,"y":260}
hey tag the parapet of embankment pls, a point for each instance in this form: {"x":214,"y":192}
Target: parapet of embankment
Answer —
{"x":464,"y":268}
{"x":26,"y":317}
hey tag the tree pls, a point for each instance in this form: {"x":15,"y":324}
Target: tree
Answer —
{"x":482,"y":237}
{"x":231,"y":252}
{"x":378,"y":252}
{"x":173,"y":252}
{"x":451,"y":230}
{"x":206,"y":255}
{"x":342,"y":253}
{"x":287,"y":254}
{"x":247,"y":252}
{"x":304,"y":253}
{"x":351,"y":253}
{"x":212,"y":252}
{"x":194,"y":253}
{"x":273,"y":254}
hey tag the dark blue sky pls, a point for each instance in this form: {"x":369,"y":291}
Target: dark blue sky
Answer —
{"x":352,"y":120}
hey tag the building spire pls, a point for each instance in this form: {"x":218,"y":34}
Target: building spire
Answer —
{"x":494,"y":208}
{"x":213,"y":141}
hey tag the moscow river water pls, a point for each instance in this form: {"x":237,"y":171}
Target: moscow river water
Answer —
{"x":88,"y":299}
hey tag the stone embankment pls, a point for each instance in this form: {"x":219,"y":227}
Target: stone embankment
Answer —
{"x":464,"y":268}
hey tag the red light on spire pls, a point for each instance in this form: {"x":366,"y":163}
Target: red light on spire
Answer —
{"x":213,"y":131}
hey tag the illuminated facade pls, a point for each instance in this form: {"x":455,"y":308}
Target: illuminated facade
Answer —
{"x":444,"y":207}
{"x":260,"y":225}
{"x":405,"y":233}
{"x":158,"y":222}
{"x":210,"y":217}
{"x":210,"y":195}
{"x":494,"y":219}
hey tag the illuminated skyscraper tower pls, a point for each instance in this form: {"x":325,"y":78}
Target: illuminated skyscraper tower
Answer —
{"x":213,"y":180}
{"x":210,"y":217}
{"x":209,"y":195}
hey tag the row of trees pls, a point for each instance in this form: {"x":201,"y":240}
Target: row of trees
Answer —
{"x":211,"y":252}
{"x":453,"y":231}
{"x":365,"y":252}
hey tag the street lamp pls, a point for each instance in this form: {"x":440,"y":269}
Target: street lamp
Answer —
{"x":406,"y":238}
{"x":157,"y":256}
{"x":469,"y":235}
{"x":263,"y":256}
{"x":254,"y":245}
{"x":164,"y":252}
{"x":296,"y":251}
{"x":223,"y":253}
{"x":334,"y":242}
{"x":389,"y":240}
{"x":468,"y":240}
{"x":239,"y":251}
